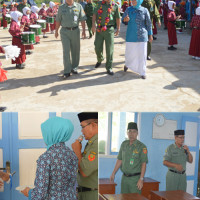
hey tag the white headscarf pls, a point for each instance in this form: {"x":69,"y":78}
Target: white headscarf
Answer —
{"x":35,"y":9}
{"x":15,"y":15}
{"x":25,"y":9}
{"x":198,"y":11}
{"x":170,"y":5}
{"x":51,"y":4}
{"x":43,"y":4}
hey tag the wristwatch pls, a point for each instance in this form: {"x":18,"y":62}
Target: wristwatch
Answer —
{"x":141,"y":179}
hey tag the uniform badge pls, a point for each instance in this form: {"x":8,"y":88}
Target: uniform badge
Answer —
{"x":145,"y":150}
{"x":131,"y":161}
{"x":91,"y":157}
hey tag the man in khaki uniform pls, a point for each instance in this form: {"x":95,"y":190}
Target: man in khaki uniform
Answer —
{"x":175,"y":158}
{"x":69,"y":15}
{"x":88,"y":160}
{"x":132,"y":159}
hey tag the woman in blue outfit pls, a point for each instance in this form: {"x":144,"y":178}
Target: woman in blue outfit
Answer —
{"x":139,"y":31}
{"x":57,"y":167}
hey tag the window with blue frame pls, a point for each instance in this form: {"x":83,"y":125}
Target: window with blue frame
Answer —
{"x":112,"y":130}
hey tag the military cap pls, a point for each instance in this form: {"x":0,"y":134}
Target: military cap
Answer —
{"x":87,"y":115}
{"x":132,"y":125}
{"x":179,"y":132}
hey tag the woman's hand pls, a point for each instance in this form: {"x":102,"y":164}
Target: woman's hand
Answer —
{"x":1,"y":184}
{"x":150,"y":38}
{"x":126,"y":19}
{"x":4,"y":176}
{"x":25,"y":191}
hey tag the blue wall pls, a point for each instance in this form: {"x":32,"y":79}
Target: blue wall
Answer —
{"x":156,"y":149}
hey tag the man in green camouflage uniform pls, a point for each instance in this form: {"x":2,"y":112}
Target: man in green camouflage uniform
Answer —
{"x":89,"y":9}
{"x":154,"y":13}
{"x":132,"y":159}
{"x":22,"y":5}
{"x":175,"y":158}
{"x":108,"y":34}
{"x":88,"y":160}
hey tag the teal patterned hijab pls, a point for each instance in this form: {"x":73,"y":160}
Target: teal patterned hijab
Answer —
{"x":56,"y":130}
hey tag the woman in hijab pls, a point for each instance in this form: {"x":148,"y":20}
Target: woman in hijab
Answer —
{"x":139,"y":31}
{"x":51,"y":12}
{"x":43,"y":14}
{"x":16,"y":31}
{"x":57,"y":167}
{"x":34,"y":18}
{"x":171,"y":26}
{"x":194,"y":50}
{"x":26,"y":23}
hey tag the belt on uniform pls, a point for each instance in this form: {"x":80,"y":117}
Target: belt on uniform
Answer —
{"x":85,"y":189}
{"x":71,"y":28}
{"x":183,"y":172}
{"x":129,"y":175}
{"x":197,"y":28}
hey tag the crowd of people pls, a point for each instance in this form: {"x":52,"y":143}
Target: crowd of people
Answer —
{"x":103,"y":20}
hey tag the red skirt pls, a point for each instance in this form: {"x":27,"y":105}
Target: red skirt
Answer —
{"x":165,"y":19}
{"x":22,"y":56}
{"x":195,"y":43}
{"x":5,"y":23}
{"x":47,"y":28}
{"x":172,"y":33}
{"x":37,"y":38}
{"x":154,"y":27}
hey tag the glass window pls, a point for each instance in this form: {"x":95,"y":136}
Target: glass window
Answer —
{"x":103,"y":131}
{"x":112,"y":130}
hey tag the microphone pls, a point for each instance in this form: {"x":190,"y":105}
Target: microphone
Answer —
{"x":80,"y":138}
{"x":185,"y":151}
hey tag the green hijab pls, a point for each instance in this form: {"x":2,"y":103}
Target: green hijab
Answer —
{"x":56,"y":130}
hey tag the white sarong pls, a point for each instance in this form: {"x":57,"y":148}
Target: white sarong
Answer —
{"x":136,"y":56}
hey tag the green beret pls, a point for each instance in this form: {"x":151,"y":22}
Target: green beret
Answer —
{"x":179,"y":132}
{"x":132,"y":125}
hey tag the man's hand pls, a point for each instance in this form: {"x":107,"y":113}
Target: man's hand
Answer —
{"x":186,"y":148}
{"x":112,"y":177}
{"x":4,"y":176}
{"x":159,"y":24}
{"x":140,"y":184}
{"x":25,"y":191}
{"x":117,"y":32}
{"x":150,"y":38}
{"x":179,"y":167}
{"x":94,"y":29}
{"x":76,"y":146}
{"x":83,"y":35}
{"x":56,"y":34}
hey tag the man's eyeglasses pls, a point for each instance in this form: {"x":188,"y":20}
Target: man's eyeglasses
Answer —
{"x":85,"y":125}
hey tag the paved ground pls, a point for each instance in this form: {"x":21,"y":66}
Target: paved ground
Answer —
{"x":172,"y":84}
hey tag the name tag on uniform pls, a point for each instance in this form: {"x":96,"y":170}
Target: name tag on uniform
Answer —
{"x":75,"y":18}
{"x":131,"y":161}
